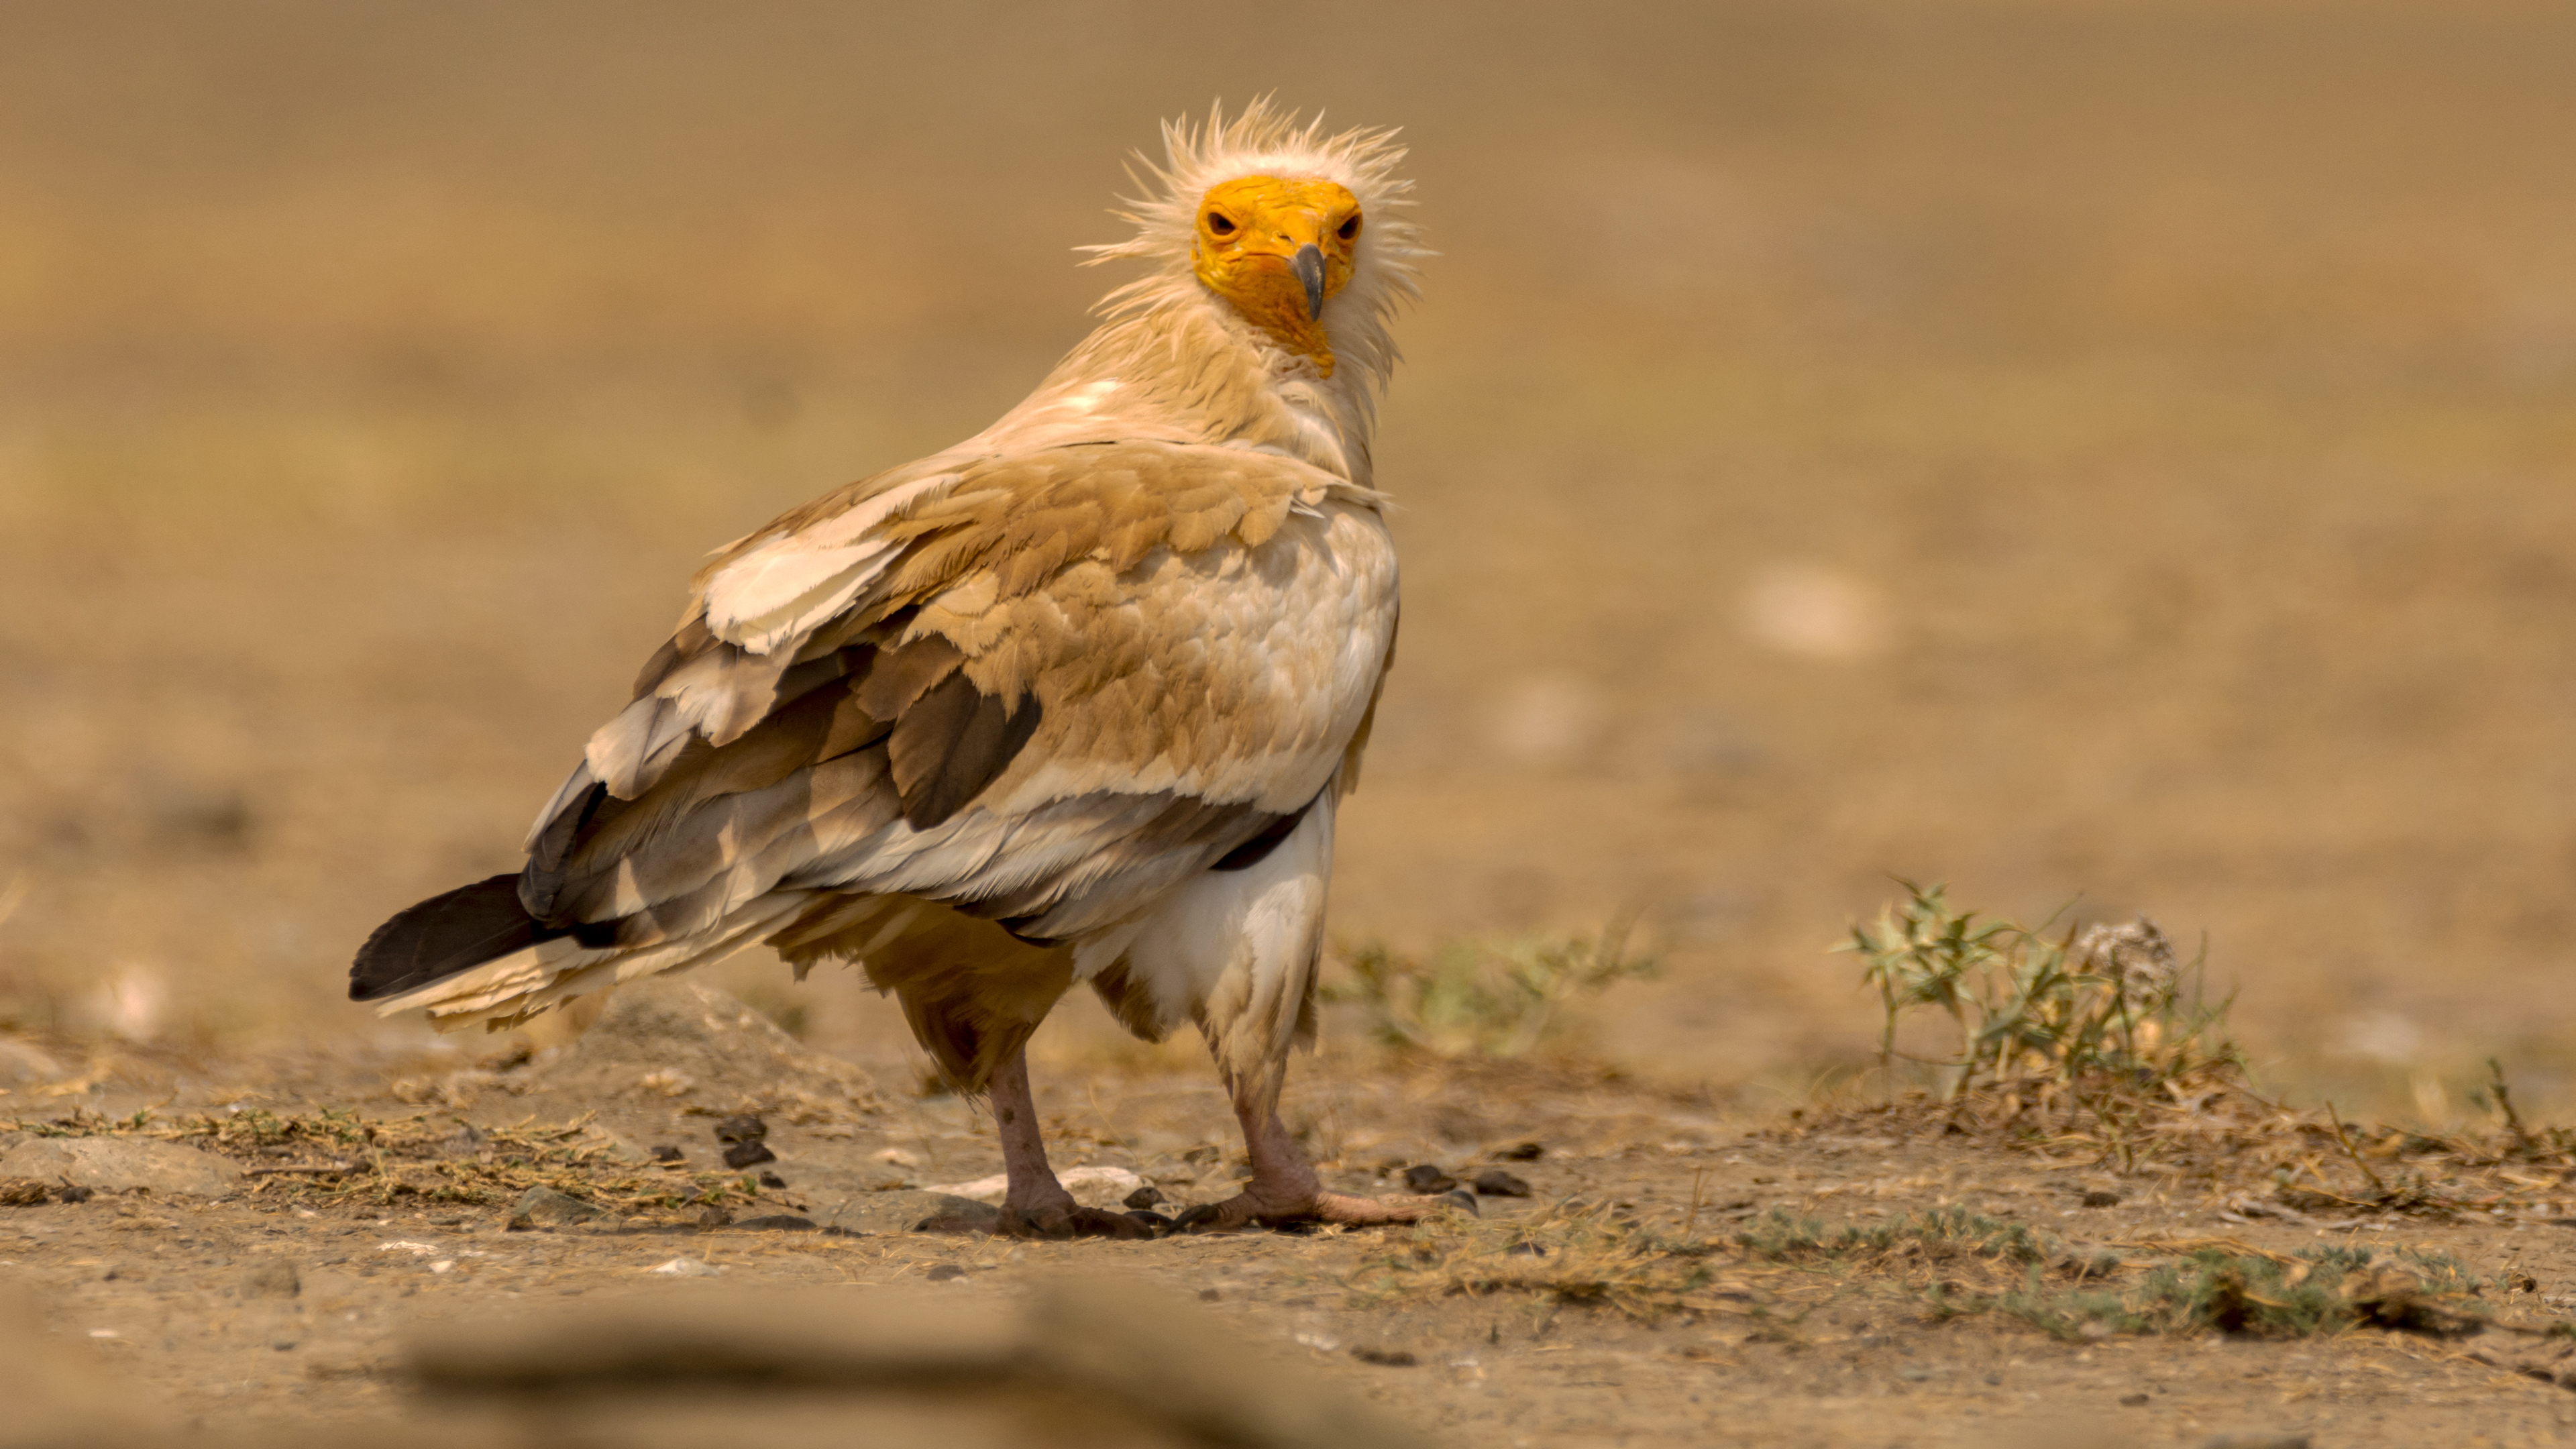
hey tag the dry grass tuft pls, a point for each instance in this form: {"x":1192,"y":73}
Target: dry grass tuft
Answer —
{"x":336,"y":1158}
{"x":2097,"y":1043}
{"x":1571,"y":1253}
{"x":1498,"y":997}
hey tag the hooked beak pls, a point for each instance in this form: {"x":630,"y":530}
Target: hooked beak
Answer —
{"x":1308,"y":264}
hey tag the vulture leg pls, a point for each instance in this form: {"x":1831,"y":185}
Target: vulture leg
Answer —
{"x":1035,"y":1205}
{"x":1284,"y":1188}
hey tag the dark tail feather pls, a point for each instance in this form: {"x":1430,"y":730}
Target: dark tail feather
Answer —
{"x":444,"y":935}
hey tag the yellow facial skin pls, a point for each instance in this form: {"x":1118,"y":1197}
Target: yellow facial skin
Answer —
{"x":1277,"y":248}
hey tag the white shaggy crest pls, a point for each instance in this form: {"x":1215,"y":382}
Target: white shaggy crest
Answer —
{"x":1267,"y":140}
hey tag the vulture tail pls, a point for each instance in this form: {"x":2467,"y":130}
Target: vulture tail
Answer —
{"x":474,"y":956}
{"x":444,"y":935}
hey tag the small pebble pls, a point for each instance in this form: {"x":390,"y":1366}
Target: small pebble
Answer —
{"x":746,"y":1128}
{"x":543,"y":1207}
{"x":1145,"y":1197}
{"x":777,"y":1222}
{"x":668,"y":1153}
{"x":2131,"y":1401}
{"x":942,"y":1272}
{"x":1384,"y":1357}
{"x":746,"y":1154}
{"x":2101,"y":1198}
{"x":1523,"y":1152}
{"x":70,"y":1193}
{"x":771,"y":1179}
{"x":1426,"y":1178}
{"x":1209,"y":1295}
{"x":1494,"y":1182}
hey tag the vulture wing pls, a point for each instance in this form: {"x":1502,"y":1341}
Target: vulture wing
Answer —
{"x":1041,"y":690}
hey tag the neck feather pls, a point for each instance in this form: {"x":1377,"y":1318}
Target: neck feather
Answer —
{"x":1187,"y":370}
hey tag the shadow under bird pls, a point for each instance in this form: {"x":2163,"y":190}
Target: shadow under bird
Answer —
{"x":1072,"y":702}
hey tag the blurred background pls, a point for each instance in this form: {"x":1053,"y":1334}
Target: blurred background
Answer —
{"x":2116,"y":451}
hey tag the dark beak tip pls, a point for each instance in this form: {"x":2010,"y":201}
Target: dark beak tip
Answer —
{"x":1308,"y":264}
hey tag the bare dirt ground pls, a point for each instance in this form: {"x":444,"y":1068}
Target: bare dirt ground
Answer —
{"x":1639,"y":1294}
{"x":2117,"y":450}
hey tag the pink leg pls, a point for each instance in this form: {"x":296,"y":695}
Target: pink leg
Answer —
{"x":1035,"y":1205}
{"x":1284,"y":1188}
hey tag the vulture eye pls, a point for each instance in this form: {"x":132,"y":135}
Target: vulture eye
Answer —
{"x":1348,"y":229}
{"x":1217,"y":223}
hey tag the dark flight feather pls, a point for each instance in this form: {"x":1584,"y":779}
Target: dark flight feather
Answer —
{"x":952,"y":742}
{"x":444,"y":935}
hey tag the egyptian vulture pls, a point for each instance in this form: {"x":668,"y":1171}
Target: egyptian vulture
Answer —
{"x":1072,"y":702}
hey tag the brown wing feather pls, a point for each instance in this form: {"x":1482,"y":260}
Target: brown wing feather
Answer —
{"x":1009,"y":597}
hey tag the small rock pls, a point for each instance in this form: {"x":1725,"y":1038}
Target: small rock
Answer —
{"x":746,"y":1128}
{"x":685,"y":1268}
{"x":543,"y":1207}
{"x":1209,"y":1295}
{"x":1464,"y":1201}
{"x":746,"y":1154}
{"x":74,"y":1194}
{"x":942,"y":1272}
{"x":122,"y":1164}
{"x":1523,"y":1152}
{"x":2255,"y":1441}
{"x":771,"y":1179}
{"x":2132,"y":1401}
{"x":1425,"y":1178}
{"x":912,"y":1211}
{"x":1145,"y":1197}
{"x":2101,"y":1198}
{"x":1494,"y":1182}
{"x":777,"y":1222}
{"x":1384,"y":1357}
{"x":22,"y":1191}
{"x":277,"y":1279}
{"x":668,"y":1153}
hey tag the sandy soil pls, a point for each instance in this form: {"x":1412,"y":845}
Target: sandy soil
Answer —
{"x":2118,"y":451}
{"x":2103,"y":451}
{"x":290,"y":1300}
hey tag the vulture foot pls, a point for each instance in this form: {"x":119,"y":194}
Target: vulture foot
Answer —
{"x":1067,"y":1220}
{"x":1252,"y":1209}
